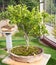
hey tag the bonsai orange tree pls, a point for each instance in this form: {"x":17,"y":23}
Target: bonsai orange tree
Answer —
{"x":30,"y":22}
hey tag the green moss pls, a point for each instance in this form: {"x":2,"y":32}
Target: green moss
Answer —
{"x":24,"y":51}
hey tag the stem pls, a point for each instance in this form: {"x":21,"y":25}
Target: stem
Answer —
{"x":27,"y":39}
{"x":25,"y":35}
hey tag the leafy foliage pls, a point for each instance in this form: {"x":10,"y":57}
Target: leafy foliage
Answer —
{"x":28,"y":21}
{"x":30,"y":3}
{"x":5,"y":3}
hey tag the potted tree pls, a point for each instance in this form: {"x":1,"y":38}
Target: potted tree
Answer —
{"x":30,"y":22}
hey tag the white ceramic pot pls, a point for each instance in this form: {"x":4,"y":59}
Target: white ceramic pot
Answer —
{"x":28,"y":59}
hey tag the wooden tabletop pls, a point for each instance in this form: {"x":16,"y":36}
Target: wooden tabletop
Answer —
{"x":43,"y":61}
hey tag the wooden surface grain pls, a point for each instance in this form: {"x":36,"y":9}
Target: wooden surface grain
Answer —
{"x":43,"y":61}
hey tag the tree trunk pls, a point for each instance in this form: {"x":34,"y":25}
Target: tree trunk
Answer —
{"x":27,"y":39}
{"x":25,"y":36}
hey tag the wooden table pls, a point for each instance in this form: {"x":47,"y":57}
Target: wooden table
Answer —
{"x":42,"y":61}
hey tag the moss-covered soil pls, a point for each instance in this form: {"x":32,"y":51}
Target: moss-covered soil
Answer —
{"x":26,"y":51}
